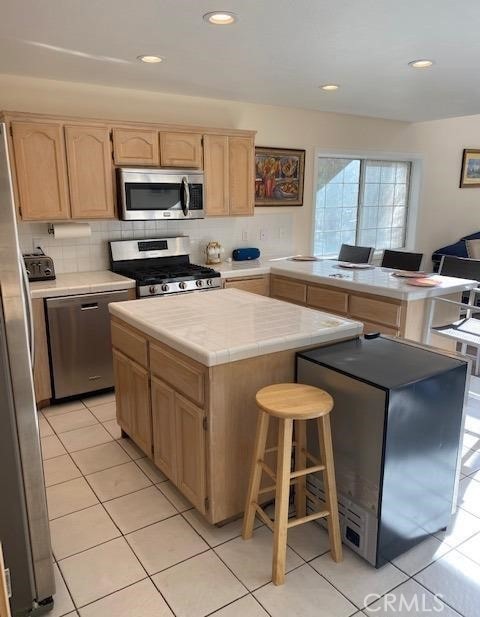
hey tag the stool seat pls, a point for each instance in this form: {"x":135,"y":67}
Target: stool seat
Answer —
{"x":294,"y":401}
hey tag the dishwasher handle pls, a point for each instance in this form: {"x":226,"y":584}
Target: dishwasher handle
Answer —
{"x":89,"y":306}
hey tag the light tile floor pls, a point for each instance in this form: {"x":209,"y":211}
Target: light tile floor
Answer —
{"x":127,"y":544}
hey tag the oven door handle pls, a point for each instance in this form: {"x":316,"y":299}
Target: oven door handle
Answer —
{"x":185,"y":196}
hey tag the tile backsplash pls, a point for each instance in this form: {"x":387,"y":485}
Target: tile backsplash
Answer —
{"x":271,"y":233}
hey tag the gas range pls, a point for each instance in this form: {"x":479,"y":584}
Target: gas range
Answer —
{"x":161,"y":266}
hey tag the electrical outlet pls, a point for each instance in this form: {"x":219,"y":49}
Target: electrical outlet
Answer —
{"x":244,"y":235}
{"x":262,"y":234}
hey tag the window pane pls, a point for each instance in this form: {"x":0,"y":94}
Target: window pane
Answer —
{"x":385,"y":217}
{"x":386,"y":194}
{"x":370,"y":194}
{"x":388,"y":172}
{"x":336,"y":204}
{"x":367,"y":237}
{"x":368,"y":218}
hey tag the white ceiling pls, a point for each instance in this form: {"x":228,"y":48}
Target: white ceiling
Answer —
{"x":278,"y":53}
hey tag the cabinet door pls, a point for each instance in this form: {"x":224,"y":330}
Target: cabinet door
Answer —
{"x":181,"y":149}
{"x":289,"y":290}
{"x":241,"y":176}
{"x":163,"y":420}
{"x":41,"y":171}
{"x":135,"y":147}
{"x":121,"y":369}
{"x":90,"y":172}
{"x":41,"y":368}
{"x":255,"y":285}
{"x":215,"y":164}
{"x":141,"y":416}
{"x":191,"y":464}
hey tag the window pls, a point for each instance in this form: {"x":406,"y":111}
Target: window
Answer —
{"x":361,"y":201}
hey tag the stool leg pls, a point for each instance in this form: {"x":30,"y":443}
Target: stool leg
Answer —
{"x":325,"y":439}
{"x":255,"y":474}
{"x":300,"y":463}
{"x":282,"y":493}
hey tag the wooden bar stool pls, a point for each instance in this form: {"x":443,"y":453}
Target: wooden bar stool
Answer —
{"x":289,"y":402}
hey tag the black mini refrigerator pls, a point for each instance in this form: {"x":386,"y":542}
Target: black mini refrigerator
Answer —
{"x":396,"y":426}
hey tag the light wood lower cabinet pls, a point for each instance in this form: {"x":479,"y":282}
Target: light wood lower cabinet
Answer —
{"x":132,"y":389}
{"x":41,"y":367}
{"x":254,"y":284}
{"x":164,"y":433}
{"x":4,"y":601}
{"x":288,"y":289}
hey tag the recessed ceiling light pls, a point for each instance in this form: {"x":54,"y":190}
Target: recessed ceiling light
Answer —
{"x":330,"y":87}
{"x":220,"y":18}
{"x":420,"y":64}
{"x":150,"y":59}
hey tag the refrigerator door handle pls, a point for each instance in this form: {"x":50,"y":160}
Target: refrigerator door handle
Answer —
{"x":29,"y":311}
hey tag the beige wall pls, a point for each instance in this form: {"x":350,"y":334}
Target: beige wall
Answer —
{"x":445,"y":213}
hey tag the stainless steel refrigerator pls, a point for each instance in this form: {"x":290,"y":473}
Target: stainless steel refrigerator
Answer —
{"x":24,"y":529}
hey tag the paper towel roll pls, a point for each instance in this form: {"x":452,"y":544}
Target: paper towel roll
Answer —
{"x":64,"y":231}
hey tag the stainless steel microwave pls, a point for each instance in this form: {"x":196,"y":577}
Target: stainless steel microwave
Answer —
{"x":160,"y":194}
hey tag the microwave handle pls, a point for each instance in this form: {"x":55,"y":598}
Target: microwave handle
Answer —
{"x":185,"y":198}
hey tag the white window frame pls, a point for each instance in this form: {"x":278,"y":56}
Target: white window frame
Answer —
{"x":416,"y":174}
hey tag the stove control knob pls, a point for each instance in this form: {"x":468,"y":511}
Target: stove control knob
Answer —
{"x":47,"y":271}
{"x":209,"y":282}
{"x":199,"y":283}
{"x":165,"y":287}
{"x":182,"y":285}
{"x":152,"y":289}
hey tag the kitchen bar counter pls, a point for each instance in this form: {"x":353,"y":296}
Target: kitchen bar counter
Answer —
{"x":376,"y":281}
{"x":187,"y":369}
{"x":225,"y":325}
{"x":73,"y":283}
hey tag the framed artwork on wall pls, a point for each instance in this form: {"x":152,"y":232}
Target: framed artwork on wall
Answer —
{"x":279,"y":176}
{"x":470,"y":176}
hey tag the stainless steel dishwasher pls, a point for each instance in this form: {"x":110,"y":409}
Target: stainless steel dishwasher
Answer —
{"x":80,"y":342}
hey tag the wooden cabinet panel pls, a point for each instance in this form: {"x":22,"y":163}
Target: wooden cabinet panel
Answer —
{"x":41,"y":171}
{"x":191,"y":463}
{"x":130,"y":343}
{"x":136,"y":147}
{"x":164,"y":434}
{"x":41,"y":368}
{"x":141,"y":431}
{"x":90,"y":172}
{"x":256,"y":285}
{"x":241,"y":175}
{"x":369,"y":328}
{"x":182,"y":373}
{"x":286,"y":289}
{"x":180,"y":149}
{"x":4,"y":601}
{"x":216,"y":183}
{"x":378,"y":311}
{"x":121,"y":369}
{"x":327,"y":299}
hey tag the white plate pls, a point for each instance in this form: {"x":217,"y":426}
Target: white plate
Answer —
{"x":408,"y":274}
{"x":352,"y":266}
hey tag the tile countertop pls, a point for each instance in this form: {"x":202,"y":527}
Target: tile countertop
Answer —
{"x":73,"y":283}
{"x":225,"y":325}
{"x":377,"y":280}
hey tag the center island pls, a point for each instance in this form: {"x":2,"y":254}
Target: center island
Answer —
{"x":187,"y":368}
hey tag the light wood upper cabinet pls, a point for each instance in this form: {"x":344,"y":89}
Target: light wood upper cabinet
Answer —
{"x":216,"y":184}
{"x":136,"y":147}
{"x":191,"y":462}
{"x":41,"y":171}
{"x":241,"y":176}
{"x":90,"y":172}
{"x":180,"y":149}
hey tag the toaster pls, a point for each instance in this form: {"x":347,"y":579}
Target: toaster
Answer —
{"x":39,"y":267}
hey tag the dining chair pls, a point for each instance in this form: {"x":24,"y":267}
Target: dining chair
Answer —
{"x":356,"y":254}
{"x":401,"y":260}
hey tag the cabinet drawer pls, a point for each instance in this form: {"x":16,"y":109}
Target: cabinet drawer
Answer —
{"x":255,"y":285}
{"x":367,"y":309}
{"x":369,"y":327}
{"x":184,"y":376}
{"x":130,"y":343}
{"x":327,"y":299}
{"x":288,"y":290}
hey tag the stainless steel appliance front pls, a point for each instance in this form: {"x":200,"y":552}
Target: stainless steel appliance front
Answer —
{"x":80,"y":343}
{"x":160,"y":194}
